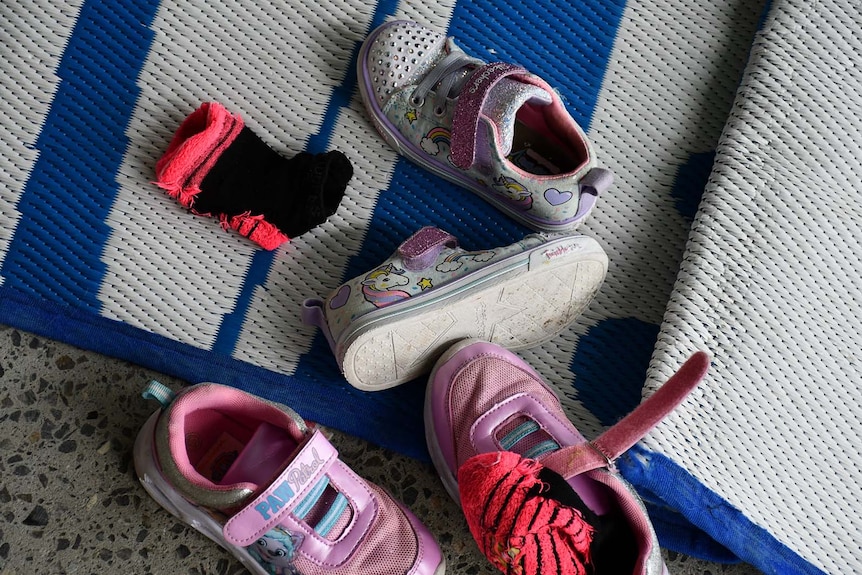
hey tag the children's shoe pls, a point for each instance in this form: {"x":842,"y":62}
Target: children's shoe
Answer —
{"x":531,"y":487}
{"x":388,"y":326}
{"x":494,"y":129}
{"x":251,"y":476}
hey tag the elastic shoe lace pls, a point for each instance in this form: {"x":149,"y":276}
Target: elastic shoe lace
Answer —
{"x":451,"y":72}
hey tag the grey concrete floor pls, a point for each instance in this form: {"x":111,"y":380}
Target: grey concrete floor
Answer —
{"x":70,"y":501}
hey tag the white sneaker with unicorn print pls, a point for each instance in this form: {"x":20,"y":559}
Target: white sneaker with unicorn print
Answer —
{"x":494,"y":129}
{"x":389,"y":325}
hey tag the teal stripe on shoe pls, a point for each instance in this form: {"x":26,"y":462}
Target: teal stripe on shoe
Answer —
{"x":325,"y":525}
{"x":309,"y":500}
{"x":513,"y":437}
{"x":542,"y":448}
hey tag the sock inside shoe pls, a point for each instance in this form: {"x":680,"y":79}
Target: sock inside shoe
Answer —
{"x":516,"y":525}
{"x":614,"y":548}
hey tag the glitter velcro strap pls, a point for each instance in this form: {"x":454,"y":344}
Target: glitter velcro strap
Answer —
{"x":465,"y":121}
{"x":422,"y":248}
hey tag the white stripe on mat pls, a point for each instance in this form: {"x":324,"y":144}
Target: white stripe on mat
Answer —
{"x":318,"y":259}
{"x":771,"y":285}
{"x":665,"y":96}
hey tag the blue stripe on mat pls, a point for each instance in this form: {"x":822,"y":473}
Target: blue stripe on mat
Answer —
{"x":677,"y":489}
{"x":55,"y":251}
{"x":569,"y":43}
{"x":229,"y":331}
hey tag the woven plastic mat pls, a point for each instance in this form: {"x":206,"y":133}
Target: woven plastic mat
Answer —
{"x":765,"y":455}
{"x":93,"y":254}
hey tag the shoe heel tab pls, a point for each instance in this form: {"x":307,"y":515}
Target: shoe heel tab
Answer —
{"x":159,"y":392}
{"x":312,"y":314}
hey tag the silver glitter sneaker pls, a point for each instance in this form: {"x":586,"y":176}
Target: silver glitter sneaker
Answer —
{"x":494,"y":129}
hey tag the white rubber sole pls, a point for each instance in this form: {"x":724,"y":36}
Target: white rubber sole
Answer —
{"x":519,"y":303}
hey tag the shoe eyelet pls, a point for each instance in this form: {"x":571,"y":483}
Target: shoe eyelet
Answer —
{"x":416,"y":101}
{"x":439,"y":111}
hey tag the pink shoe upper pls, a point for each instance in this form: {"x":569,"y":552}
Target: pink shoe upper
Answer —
{"x":483,"y":399}
{"x":281,"y":492}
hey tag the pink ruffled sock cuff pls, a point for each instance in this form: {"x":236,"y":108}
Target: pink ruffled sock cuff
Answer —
{"x":194,"y":150}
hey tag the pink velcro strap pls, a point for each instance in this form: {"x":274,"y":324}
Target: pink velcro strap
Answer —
{"x":465,"y":121}
{"x":289,"y":488}
{"x":630,"y":429}
{"x":601,"y":452}
{"x":422,"y":248}
{"x":573,"y":460}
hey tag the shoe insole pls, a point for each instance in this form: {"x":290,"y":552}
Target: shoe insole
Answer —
{"x":538,"y":152}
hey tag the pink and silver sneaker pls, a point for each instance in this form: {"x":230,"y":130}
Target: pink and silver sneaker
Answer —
{"x":254,"y":478}
{"x":538,"y":497}
{"x":495,"y":129}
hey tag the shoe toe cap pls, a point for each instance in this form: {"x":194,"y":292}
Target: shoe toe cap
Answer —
{"x":399,"y":54}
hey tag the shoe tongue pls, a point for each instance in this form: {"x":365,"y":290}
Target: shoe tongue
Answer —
{"x":503,"y":102}
{"x":262,"y":457}
{"x":265,"y":456}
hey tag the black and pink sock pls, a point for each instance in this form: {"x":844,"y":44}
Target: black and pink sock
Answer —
{"x":216,"y":166}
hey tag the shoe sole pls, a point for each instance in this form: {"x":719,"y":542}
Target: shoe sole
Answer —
{"x":517,"y":303}
{"x":410,"y":151}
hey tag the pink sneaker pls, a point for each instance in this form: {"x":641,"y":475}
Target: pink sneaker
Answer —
{"x":254,"y":478}
{"x":538,"y":497}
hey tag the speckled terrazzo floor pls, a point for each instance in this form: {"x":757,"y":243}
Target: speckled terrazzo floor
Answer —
{"x":70,"y":501}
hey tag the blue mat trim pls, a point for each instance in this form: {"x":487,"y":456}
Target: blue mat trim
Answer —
{"x":345,"y":408}
{"x":667,"y":484}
